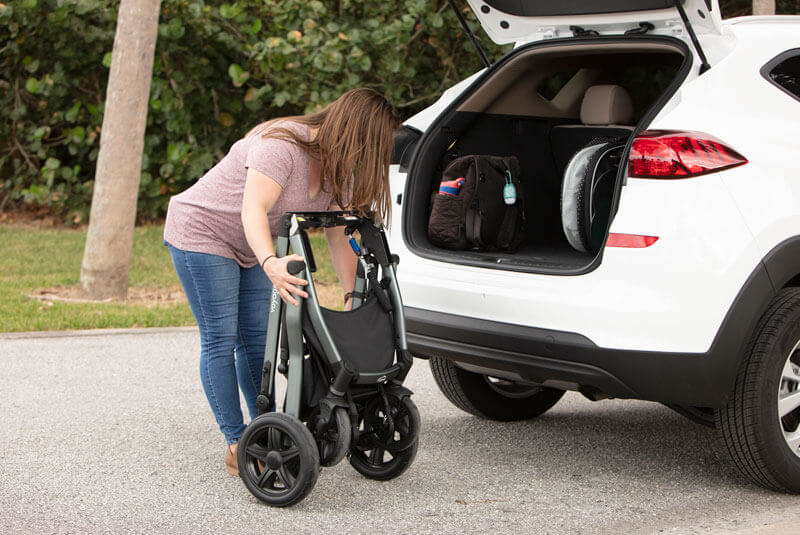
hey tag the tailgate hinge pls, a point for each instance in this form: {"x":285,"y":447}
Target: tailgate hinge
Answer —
{"x":643,"y":28}
{"x":577,"y":31}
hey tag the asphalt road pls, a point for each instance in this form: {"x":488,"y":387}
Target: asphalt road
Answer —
{"x":112,"y":433}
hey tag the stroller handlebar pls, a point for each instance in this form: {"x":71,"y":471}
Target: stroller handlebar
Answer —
{"x":345,"y":218}
{"x":295,"y":266}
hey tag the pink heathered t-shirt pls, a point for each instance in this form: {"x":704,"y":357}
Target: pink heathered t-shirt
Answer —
{"x":207,"y":217}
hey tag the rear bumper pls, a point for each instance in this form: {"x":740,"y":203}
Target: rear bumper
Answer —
{"x":550,"y":357}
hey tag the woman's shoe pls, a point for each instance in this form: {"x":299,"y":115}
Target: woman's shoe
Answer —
{"x":231,"y":461}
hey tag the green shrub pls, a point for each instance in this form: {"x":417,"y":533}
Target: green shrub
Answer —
{"x":219,"y":69}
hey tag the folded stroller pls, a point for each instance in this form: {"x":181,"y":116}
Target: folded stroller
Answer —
{"x":344,"y":394}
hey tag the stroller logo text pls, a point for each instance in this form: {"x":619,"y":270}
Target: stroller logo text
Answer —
{"x":274,"y":303}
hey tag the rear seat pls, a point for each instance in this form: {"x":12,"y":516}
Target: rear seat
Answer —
{"x":606,"y":111}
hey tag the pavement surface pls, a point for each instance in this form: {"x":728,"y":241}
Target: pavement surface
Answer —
{"x":111,"y":432}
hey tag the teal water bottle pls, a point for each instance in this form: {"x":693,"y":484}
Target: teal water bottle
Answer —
{"x":509,"y":191}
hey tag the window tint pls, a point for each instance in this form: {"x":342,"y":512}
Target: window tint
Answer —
{"x":784,"y":72}
{"x":646,"y":82}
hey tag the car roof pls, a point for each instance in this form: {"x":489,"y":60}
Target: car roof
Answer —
{"x":765,"y":20}
{"x":765,"y":36}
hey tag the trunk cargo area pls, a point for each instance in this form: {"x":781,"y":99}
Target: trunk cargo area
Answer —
{"x":531,"y":105}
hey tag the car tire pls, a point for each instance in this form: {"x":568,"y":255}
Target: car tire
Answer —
{"x":758,"y":424}
{"x":479,"y":395}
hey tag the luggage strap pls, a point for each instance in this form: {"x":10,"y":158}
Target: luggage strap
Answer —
{"x":507,"y":227}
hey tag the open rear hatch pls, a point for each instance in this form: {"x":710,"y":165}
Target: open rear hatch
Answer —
{"x":521,"y":21}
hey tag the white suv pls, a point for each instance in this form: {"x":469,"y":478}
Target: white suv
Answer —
{"x":661,"y":259}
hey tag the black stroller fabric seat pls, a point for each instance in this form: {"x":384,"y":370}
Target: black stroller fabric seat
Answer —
{"x":364,"y":336}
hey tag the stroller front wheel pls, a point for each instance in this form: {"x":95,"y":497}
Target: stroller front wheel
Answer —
{"x":278,"y":459}
{"x":333,"y":440}
{"x":386,"y":447}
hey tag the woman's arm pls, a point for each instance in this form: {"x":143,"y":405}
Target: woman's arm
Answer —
{"x":344,"y":259}
{"x":260,"y":195}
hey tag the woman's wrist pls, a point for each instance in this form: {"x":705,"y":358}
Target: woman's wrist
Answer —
{"x":264,"y":262}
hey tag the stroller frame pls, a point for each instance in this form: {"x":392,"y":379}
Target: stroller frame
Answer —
{"x":379,"y":393}
{"x":292,"y":233}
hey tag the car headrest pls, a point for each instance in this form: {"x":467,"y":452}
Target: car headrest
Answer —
{"x":605,"y":105}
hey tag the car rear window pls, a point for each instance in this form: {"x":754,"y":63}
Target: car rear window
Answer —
{"x":784,"y":72}
{"x":554,"y":82}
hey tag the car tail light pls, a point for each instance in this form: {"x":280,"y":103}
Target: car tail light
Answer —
{"x":673,"y":154}
{"x":631,"y":241}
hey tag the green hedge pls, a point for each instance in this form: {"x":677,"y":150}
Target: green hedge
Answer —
{"x":219,"y":69}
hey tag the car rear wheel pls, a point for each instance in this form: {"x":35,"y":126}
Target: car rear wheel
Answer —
{"x":760,"y":425}
{"x":491,"y":397}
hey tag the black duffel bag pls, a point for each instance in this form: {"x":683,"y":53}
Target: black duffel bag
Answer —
{"x":478,"y":217}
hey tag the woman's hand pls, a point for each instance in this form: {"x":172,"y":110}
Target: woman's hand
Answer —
{"x":282,"y":280}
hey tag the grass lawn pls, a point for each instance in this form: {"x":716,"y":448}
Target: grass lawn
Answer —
{"x":32,"y":260}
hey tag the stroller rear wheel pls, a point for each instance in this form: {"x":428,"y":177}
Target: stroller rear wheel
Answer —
{"x":334,"y":440}
{"x":278,"y":459}
{"x":386,"y":446}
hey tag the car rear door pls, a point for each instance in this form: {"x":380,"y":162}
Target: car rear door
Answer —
{"x":517,"y":21}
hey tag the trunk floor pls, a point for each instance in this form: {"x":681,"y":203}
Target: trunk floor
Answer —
{"x":537,"y":256}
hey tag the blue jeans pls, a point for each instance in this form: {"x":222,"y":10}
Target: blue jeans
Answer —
{"x":230,"y":305}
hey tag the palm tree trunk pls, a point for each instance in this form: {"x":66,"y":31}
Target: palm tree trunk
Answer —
{"x":107,"y":255}
{"x":763,"y":7}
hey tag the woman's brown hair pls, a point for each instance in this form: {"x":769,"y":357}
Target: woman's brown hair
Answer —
{"x":355,"y":135}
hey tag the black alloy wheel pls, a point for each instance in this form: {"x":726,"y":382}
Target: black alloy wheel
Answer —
{"x":278,"y":459}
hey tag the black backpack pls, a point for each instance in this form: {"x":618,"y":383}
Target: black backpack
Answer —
{"x":477,"y":217}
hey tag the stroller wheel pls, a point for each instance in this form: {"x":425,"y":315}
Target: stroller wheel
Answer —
{"x":278,"y":459}
{"x":377,"y":454}
{"x":334,"y":440}
{"x":396,"y":433}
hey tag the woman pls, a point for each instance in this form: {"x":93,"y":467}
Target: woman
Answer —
{"x":220,"y":233}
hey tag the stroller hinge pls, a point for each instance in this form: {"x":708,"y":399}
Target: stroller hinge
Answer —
{"x":405,"y":360}
{"x":341,"y":383}
{"x":264,"y":404}
{"x":264,"y":401}
{"x":283,"y":365}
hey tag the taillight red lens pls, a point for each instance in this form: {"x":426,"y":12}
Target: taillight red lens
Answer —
{"x":672,"y":154}
{"x":630,"y":241}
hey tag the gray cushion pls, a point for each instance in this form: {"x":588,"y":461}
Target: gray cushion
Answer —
{"x":606,"y":105}
{"x":587,"y":192}
{"x":574,"y":198}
